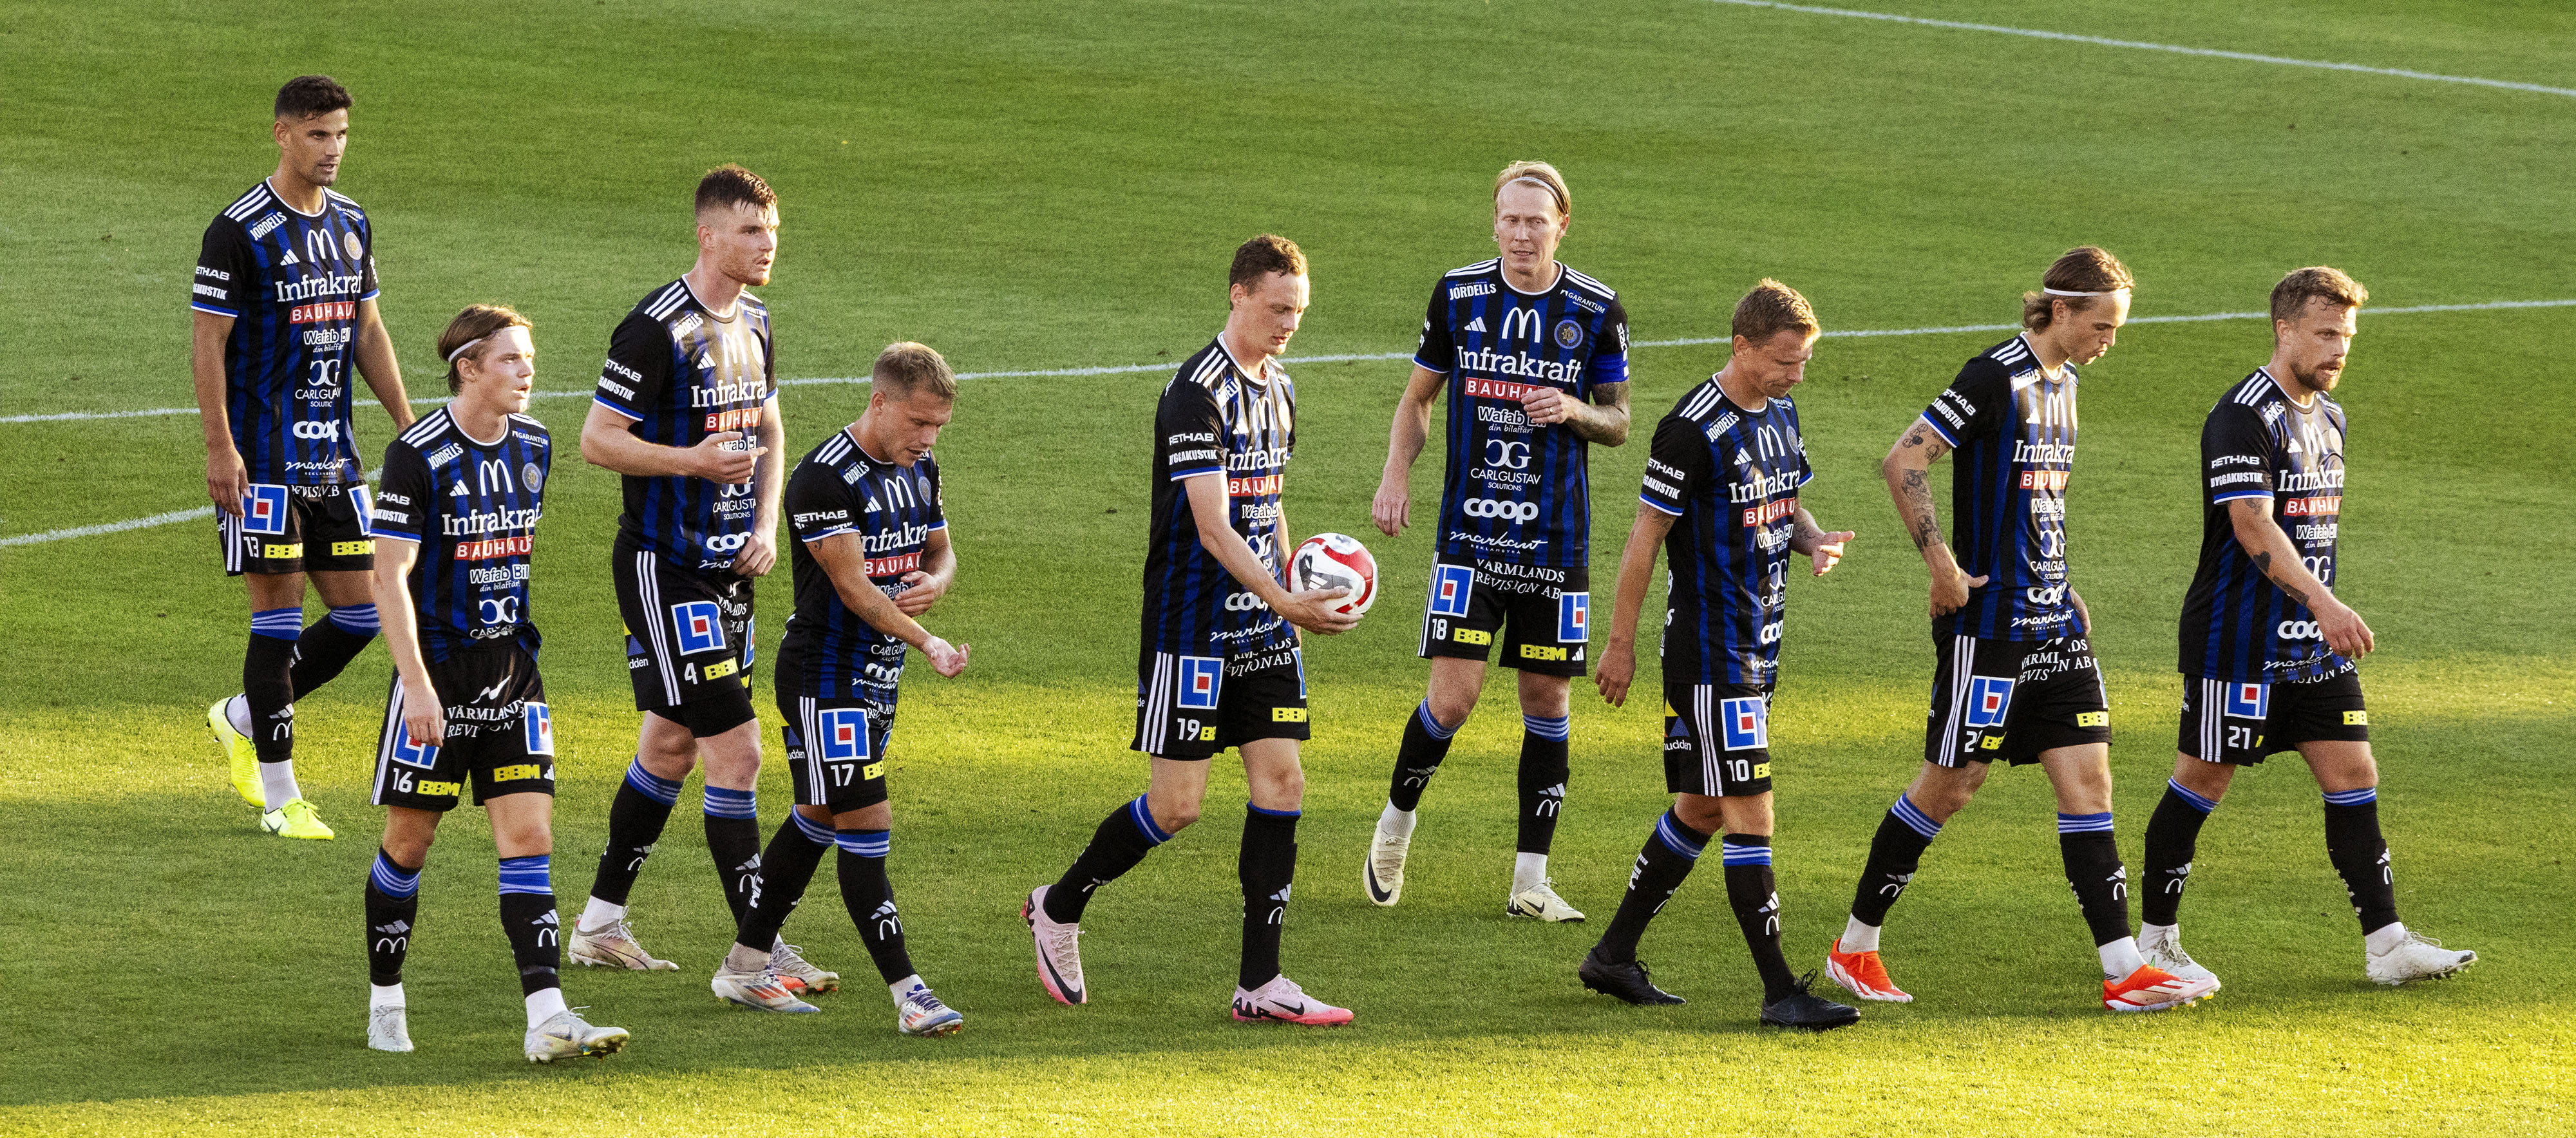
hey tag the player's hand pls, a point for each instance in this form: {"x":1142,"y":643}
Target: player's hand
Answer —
{"x":1950,"y":590}
{"x":945,"y":660}
{"x":227,"y":482}
{"x":920,"y":591}
{"x":1312,"y":610}
{"x":1828,"y":550}
{"x":715,"y":461}
{"x":759,"y":554}
{"x":2083,"y":615}
{"x":423,"y":719}
{"x":1547,"y":406}
{"x":1392,"y":509}
{"x":1617,"y":669}
{"x":2343,"y":630}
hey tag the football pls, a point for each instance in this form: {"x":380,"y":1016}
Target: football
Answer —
{"x":1335,"y":561}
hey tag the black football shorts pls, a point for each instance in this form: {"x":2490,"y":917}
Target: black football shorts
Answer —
{"x":1717,"y":739}
{"x":688,"y":641}
{"x":500,"y":734}
{"x":2012,"y":699}
{"x":1191,"y":707}
{"x":1543,"y":615}
{"x":2228,"y":722}
{"x":293,"y":529}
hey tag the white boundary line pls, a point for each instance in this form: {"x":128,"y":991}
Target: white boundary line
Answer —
{"x":1125,"y":369}
{"x":2099,"y":41}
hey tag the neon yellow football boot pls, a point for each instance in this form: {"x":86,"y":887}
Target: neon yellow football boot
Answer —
{"x":237,"y":747}
{"x":295,"y":820}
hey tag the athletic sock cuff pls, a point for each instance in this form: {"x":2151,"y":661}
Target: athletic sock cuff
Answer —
{"x":1556,"y":730}
{"x":1914,"y":818}
{"x":1679,"y":838}
{"x":724,"y":803}
{"x":1144,"y":821}
{"x":1745,"y":849}
{"x":281,"y":624}
{"x":2362,"y":797}
{"x":358,"y":620}
{"x":865,"y":843}
{"x":1266,"y":812}
{"x":814,"y":831}
{"x":393,"y":880}
{"x":1430,"y":725}
{"x":663,"y":790}
{"x":2196,"y":802}
{"x":2084,"y":823}
{"x":527,"y":875}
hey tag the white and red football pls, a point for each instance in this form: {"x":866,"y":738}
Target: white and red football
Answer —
{"x":1335,"y":561}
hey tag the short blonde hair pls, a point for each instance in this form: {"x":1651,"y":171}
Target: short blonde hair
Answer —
{"x":1542,"y":174}
{"x":907,"y":369}
{"x":1772,"y":308}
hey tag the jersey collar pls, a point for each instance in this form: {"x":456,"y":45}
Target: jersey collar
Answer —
{"x":1506,"y":278}
{"x":1260,"y":378}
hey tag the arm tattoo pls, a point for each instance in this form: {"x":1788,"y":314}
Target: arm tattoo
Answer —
{"x":1918,"y":508}
{"x":2263,"y":565}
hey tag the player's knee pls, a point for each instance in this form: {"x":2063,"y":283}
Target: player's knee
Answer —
{"x":409,"y":850}
{"x":1702,"y":812}
{"x":1173,"y":817}
{"x":1282,"y":790}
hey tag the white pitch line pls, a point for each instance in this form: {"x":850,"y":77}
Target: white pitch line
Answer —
{"x":1122,"y":369}
{"x":2100,"y":41}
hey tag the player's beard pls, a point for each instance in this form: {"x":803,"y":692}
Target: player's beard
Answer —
{"x":2315,"y":379}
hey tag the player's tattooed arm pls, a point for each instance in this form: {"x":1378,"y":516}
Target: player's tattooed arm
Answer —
{"x":1822,"y":548}
{"x":1604,"y":420}
{"x":1907,"y":469}
{"x":2278,"y":560}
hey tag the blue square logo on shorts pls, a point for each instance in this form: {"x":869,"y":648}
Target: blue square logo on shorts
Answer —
{"x":264,"y":509}
{"x":1199,"y":678}
{"x":844,"y":734}
{"x":701,"y":626}
{"x":1746,"y":723}
{"x":1573,"y":618}
{"x":412,"y":754}
{"x":1989,"y":697}
{"x":539,"y":724}
{"x":2249,"y":701}
{"x":1451,"y":586}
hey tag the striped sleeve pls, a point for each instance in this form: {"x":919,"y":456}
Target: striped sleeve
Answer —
{"x":1676,"y":466}
{"x":637,"y":369}
{"x":1189,"y":434}
{"x":2237,"y":455}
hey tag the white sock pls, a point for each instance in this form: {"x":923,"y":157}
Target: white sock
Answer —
{"x":901,"y":988}
{"x":238,"y":710}
{"x":1858,"y":937}
{"x":542,"y":1006}
{"x":2169,"y":934}
{"x":277,"y":781}
{"x":740,"y":959}
{"x":1528,"y":869}
{"x":384,"y":996}
{"x":2379,"y":943}
{"x":2120,"y":957}
{"x":598,"y":915}
{"x":1396,"y":822}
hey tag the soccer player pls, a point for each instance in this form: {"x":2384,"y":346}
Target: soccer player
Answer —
{"x":2268,"y":652}
{"x":687,"y":411}
{"x":871,"y":553}
{"x":458,"y":510}
{"x":285,"y":301}
{"x":1721,"y":498}
{"x":1534,"y":359}
{"x":2015,"y":678}
{"x":1219,"y":664}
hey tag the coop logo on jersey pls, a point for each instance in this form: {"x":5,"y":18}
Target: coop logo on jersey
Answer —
{"x":411,"y":753}
{"x":1573,"y":618}
{"x":1746,"y":723}
{"x":538,"y":723}
{"x":1199,"y":678}
{"x":701,"y":626}
{"x":1451,"y":585}
{"x":1989,"y":697}
{"x":264,"y":509}
{"x":843,"y":737}
{"x":2249,"y":701}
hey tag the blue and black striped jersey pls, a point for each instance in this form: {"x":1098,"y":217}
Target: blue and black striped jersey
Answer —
{"x":1730,"y":478}
{"x":682,"y":373}
{"x":838,"y":489}
{"x":2014,"y":430}
{"x":1217,"y":420}
{"x":292,"y":283}
{"x":1514,"y":492}
{"x":472,"y":506}
{"x":2259,"y":443}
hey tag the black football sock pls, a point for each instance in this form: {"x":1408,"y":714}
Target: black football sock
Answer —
{"x":2360,"y":854}
{"x":393,"y":906}
{"x":1894,"y":854}
{"x":2173,"y":838}
{"x":268,"y":685}
{"x":2093,"y":868}
{"x":1542,"y":779}
{"x":1121,"y":841}
{"x":1266,"y":867}
{"x":1426,"y":742}
{"x":1755,"y":896}
{"x":326,"y":648}
{"x":733,"y":839}
{"x":786,"y":870}
{"x":635,"y":820}
{"x":528,"y":916}
{"x":1670,"y":852}
{"x":870,"y":899}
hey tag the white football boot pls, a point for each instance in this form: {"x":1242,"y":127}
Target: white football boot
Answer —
{"x":1059,"y":949}
{"x":566,"y":1035}
{"x":2417,"y":957}
{"x":801,"y":975}
{"x":2162,"y":946}
{"x":388,"y":1028}
{"x":1382,"y":873}
{"x":763,"y":990}
{"x":613,"y":947}
{"x":1541,"y":901}
{"x":921,"y":1013}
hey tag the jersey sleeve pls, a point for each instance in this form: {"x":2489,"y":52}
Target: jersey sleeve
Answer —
{"x":405,"y":496}
{"x":367,"y":289}
{"x":1434,"y":351}
{"x":1188,"y":432}
{"x":938,"y":497}
{"x":223,"y":281}
{"x":1677,"y":466}
{"x":1974,"y":405}
{"x":1609,"y":362}
{"x":817,"y":504}
{"x":638,"y":368}
{"x":2237,"y":455}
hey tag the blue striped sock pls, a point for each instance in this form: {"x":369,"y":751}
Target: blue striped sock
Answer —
{"x":1679,"y":838}
{"x":393,"y":880}
{"x":2084,"y":823}
{"x":359,"y":620}
{"x":814,"y":831}
{"x":282,"y":624}
{"x":1431,"y":725}
{"x":1555,"y":730}
{"x":2194,"y":801}
{"x":723,"y":803}
{"x":663,"y":790}
{"x":533,"y":875}
{"x":2361,"y":797}
{"x":1275,"y":813}
{"x":1732,"y":852}
{"x":865,"y":843}
{"x":1144,"y":820}
{"x":1914,"y":818}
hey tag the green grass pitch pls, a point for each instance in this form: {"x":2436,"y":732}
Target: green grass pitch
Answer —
{"x":1046,"y":186}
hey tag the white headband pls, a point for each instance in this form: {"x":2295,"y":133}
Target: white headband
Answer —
{"x":465,"y":347}
{"x":2067,"y":292}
